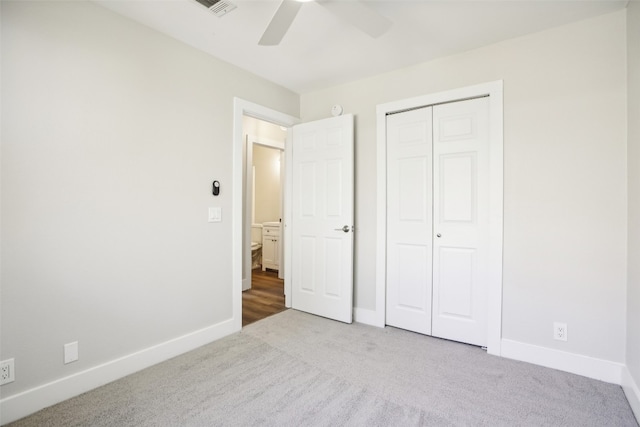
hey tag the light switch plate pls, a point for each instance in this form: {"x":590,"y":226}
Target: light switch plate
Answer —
{"x":215,"y":214}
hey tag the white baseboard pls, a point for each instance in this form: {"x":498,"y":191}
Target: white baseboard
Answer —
{"x":632,"y":391}
{"x":27,"y":402}
{"x":591,"y":367}
{"x":366,"y":316}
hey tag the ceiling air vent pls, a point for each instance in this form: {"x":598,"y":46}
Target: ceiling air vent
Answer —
{"x":218,"y":7}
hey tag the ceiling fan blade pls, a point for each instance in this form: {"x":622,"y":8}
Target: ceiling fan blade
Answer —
{"x":360,"y":15}
{"x":280,"y":23}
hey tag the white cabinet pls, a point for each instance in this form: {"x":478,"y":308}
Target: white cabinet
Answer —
{"x":271,"y":245}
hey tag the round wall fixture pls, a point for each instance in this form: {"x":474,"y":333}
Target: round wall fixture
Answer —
{"x":336,"y":110}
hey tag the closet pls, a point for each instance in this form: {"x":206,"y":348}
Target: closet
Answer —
{"x":438,"y":220}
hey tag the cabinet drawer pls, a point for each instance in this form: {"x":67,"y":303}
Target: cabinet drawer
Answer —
{"x":271,"y":231}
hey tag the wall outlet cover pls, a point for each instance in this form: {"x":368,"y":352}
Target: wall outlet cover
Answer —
{"x":559,"y":331}
{"x":7,"y":371}
{"x":70,"y":352}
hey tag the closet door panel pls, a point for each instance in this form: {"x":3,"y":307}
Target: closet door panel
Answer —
{"x":409,"y":220}
{"x":461,"y":220}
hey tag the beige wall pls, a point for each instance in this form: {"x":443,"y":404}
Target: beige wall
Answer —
{"x":111,"y":136}
{"x":633,"y":290}
{"x":267,"y":191}
{"x":564,"y":176}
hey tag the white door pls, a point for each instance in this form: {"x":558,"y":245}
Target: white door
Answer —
{"x":322,"y":218}
{"x":438,"y":220}
{"x":461,"y":220}
{"x":409,"y":220}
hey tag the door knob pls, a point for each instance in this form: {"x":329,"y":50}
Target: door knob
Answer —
{"x":438,"y":235}
{"x":345,"y":229}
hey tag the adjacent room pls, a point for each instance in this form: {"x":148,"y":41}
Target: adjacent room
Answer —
{"x":263,"y":205}
{"x":322,"y":213}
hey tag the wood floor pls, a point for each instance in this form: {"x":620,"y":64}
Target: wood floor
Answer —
{"x":265,"y":298}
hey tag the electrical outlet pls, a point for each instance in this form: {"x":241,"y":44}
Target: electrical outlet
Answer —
{"x":7,"y":372}
{"x":70,"y":352}
{"x":559,"y":331}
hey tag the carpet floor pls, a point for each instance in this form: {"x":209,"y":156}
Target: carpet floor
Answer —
{"x":295,"y":369}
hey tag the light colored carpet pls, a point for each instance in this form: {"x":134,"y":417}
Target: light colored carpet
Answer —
{"x":297,"y":369}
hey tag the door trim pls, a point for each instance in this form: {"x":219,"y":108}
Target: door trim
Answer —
{"x":494,"y":297}
{"x":241,"y":108}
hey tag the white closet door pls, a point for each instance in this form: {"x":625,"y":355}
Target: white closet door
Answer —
{"x":409,"y":220}
{"x":461,"y":220}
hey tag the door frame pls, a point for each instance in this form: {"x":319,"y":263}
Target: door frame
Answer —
{"x":496,"y":193}
{"x":242,"y":108}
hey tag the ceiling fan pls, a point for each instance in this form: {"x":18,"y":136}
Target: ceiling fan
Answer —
{"x":355,"y":12}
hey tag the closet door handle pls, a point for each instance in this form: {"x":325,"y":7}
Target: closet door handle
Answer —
{"x":345,"y":229}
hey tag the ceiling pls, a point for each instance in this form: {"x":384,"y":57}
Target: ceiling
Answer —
{"x":320,"y":50}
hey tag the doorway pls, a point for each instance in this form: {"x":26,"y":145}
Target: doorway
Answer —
{"x":333,"y":134}
{"x":242,"y":108}
{"x":263,"y":196}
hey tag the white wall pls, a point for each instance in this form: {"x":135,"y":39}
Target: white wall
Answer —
{"x":111,"y":136}
{"x":565,"y":176}
{"x":633,"y":290}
